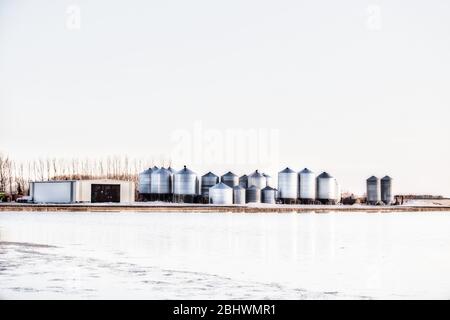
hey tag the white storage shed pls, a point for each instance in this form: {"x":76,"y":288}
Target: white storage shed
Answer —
{"x":79,"y":191}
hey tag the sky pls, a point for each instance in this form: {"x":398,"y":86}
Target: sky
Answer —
{"x":354,"y":88}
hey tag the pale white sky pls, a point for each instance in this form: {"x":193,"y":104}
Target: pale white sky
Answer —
{"x":351,"y":87}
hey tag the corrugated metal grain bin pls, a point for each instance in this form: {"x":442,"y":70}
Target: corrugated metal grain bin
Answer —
{"x":287,"y":186}
{"x":253,"y":195}
{"x":386,"y":190}
{"x":257,"y":179}
{"x":221,"y":194}
{"x":208,"y":180}
{"x":230,"y":179}
{"x":307,"y":186}
{"x":268,"y":195}
{"x":326,"y":188}
{"x":186,"y":186}
{"x":238,"y":195}
{"x":373,"y":190}
{"x":145,"y":181}
{"x":162,"y":185}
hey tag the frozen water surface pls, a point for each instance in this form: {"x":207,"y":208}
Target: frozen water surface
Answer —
{"x":224,"y":256}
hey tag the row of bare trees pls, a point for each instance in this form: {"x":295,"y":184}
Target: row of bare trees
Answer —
{"x":16,"y":175}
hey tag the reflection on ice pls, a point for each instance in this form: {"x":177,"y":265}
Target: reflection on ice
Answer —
{"x":224,"y":256}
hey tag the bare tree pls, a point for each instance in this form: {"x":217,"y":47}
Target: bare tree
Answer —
{"x":15,"y":176}
{"x":6,"y":179}
{"x":20,"y":179}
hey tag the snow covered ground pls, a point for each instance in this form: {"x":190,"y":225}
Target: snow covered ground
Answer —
{"x":427,"y":202}
{"x":224,"y":256}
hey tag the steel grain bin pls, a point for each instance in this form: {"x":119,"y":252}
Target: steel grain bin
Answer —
{"x":208,"y":180}
{"x":238,"y":195}
{"x":253,"y":195}
{"x":145,"y":178}
{"x":257,"y":179}
{"x":185,"y":185}
{"x":221,"y":194}
{"x":386,"y":190}
{"x":326,"y":188}
{"x":161,"y":187}
{"x":268,"y":195}
{"x":230,"y":179}
{"x":287,"y":185}
{"x":373,"y":190}
{"x":307,"y":186}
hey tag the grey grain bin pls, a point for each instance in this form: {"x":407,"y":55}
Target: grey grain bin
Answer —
{"x":238,"y":195}
{"x":257,"y":179}
{"x":243,"y":181}
{"x":185,"y":186}
{"x":208,"y":180}
{"x":155,"y":168}
{"x":287,"y":186}
{"x":373,"y":190}
{"x":161,"y":187}
{"x":221,"y":194}
{"x":307,"y":186}
{"x":253,"y":195}
{"x":230,"y":179}
{"x":268,"y":195}
{"x":386,"y":190}
{"x":145,"y":178}
{"x":326,"y":188}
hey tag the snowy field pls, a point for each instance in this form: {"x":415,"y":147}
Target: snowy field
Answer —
{"x":224,"y":256}
{"x":428,"y":202}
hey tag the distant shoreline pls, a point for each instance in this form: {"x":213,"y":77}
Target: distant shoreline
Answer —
{"x":252,"y":208}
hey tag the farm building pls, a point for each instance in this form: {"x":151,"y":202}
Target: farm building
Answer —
{"x":79,"y":191}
